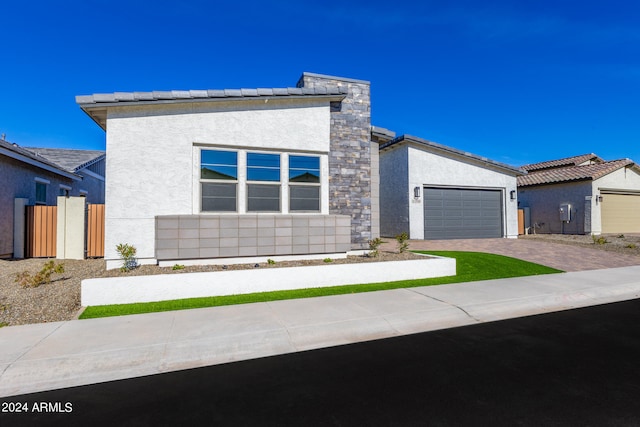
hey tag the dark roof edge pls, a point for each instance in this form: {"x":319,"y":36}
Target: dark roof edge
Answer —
{"x":343,"y":79}
{"x":88,"y":101}
{"x":383,"y":131}
{"x":454,"y":151}
{"x":31,"y":159}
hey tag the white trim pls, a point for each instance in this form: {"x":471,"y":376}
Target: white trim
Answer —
{"x":65,"y":187}
{"x":91,"y":174}
{"x":42,"y":180}
{"x":84,"y":192}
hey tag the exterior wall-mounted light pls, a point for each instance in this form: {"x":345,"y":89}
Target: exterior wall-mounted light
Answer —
{"x":598,"y":199}
{"x":416,"y":192}
{"x":512,"y":194}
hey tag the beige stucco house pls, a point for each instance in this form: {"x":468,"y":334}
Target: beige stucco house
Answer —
{"x":582,"y":195}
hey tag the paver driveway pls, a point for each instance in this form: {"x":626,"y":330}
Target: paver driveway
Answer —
{"x":556,"y":255}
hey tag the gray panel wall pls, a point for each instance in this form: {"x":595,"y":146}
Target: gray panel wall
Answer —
{"x":218,"y":236}
{"x":544,"y":202}
{"x":394,"y":187}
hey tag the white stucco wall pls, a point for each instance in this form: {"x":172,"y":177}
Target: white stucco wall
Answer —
{"x":150,"y":155}
{"x":430,"y":169}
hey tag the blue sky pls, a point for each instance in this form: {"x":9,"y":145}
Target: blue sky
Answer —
{"x":516,"y":81}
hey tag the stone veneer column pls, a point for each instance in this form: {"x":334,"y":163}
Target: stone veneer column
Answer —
{"x":350,"y":179}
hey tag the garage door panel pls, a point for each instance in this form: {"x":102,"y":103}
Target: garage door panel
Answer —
{"x":462,"y":213}
{"x":620,"y":213}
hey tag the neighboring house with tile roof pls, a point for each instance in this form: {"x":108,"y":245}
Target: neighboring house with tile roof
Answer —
{"x":432,"y":191}
{"x":602,"y":196}
{"x":40,"y":175}
{"x":204,"y":174}
{"x":581,"y":160}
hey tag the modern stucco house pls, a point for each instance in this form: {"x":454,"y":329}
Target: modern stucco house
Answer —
{"x":233,"y":173}
{"x":431,"y":191}
{"x":596,"y":196}
{"x":37,"y":176}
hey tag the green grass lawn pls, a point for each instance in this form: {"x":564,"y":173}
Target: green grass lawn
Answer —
{"x":471,"y":266}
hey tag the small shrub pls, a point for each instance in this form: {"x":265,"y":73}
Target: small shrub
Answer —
{"x":178,"y":267}
{"x":127,"y":253}
{"x":403,"y":245}
{"x":327,"y":260}
{"x":26,"y":280}
{"x":3,"y":324}
{"x":631,"y":246}
{"x":374,"y":245}
{"x":270,"y":261}
{"x":599,"y":240}
{"x":620,"y":236}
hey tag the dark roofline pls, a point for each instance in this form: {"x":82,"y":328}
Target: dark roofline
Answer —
{"x":155,"y":97}
{"x":18,"y":153}
{"x":434,"y":146}
{"x":98,"y":103}
{"x":379,"y":131}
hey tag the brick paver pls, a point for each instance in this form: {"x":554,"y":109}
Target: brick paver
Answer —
{"x":556,"y":255}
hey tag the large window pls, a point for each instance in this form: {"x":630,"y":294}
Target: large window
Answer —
{"x":262,"y":169}
{"x":304,"y":183}
{"x":241,"y":181}
{"x":218,"y":180}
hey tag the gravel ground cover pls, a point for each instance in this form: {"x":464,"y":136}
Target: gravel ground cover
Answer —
{"x":60,"y":299}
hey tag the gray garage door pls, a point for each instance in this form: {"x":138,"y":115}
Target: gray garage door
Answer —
{"x":453,"y":213}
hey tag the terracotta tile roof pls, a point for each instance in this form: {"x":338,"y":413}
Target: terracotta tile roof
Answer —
{"x":568,"y":161}
{"x":572,"y":173}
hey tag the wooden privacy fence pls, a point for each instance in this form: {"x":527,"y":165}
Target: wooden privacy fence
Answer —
{"x":41,"y":233}
{"x":95,"y":231}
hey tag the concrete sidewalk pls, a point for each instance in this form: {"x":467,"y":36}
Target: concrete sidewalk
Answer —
{"x":63,"y":354}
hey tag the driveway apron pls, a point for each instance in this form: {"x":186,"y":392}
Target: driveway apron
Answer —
{"x":556,"y":255}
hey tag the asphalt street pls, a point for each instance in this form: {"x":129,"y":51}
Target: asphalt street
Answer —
{"x":577,"y":367}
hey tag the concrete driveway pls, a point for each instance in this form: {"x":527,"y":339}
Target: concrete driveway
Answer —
{"x":561,"y":256}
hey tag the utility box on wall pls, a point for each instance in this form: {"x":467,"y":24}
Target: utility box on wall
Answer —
{"x":565,"y":212}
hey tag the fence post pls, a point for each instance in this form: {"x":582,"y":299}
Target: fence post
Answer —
{"x":19,"y":227}
{"x":70,"y":229}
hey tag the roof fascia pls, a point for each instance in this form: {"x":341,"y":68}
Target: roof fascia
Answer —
{"x":41,"y":165}
{"x":88,"y":107}
{"x":438,"y":148}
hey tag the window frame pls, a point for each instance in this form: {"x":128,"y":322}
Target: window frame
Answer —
{"x":257,"y":182}
{"x":317,"y":185}
{"x":243,"y":183}
{"x":203,"y":181}
{"x":41,"y":183}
